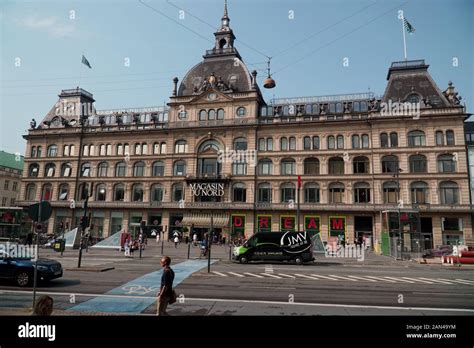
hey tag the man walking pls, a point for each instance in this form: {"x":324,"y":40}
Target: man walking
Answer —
{"x":166,"y":290}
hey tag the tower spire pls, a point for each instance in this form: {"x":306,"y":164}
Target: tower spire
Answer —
{"x":225,"y":19}
{"x":225,"y":10}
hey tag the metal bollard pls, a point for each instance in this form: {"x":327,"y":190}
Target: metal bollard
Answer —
{"x":189,"y":249}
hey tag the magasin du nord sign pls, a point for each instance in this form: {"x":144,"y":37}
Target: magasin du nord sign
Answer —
{"x":207,"y":189}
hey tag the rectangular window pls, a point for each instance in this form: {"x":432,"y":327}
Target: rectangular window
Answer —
{"x":12,"y":202}
{"x":7,"y":183}
{"x":14,"y":188}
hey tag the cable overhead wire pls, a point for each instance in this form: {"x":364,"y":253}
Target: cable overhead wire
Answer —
{"x":340,"y":37}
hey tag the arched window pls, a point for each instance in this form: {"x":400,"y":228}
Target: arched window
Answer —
{"x":157,"y":193}
{"x":390,"y":164}
{"x":137,"y":193}
{"x":163,"y":147}
{"x":364,"y":106}
{"x":383,"y":140}
{"x":86,"y":169}
{"x":179,"y":168}
{"x":220,"y":114}
{"x":316,"y":143}
{"x":239,"y":192}
{"x":450,"y":138}
{"x":240,"y":144}
{"x":390,"y":192}
{"x":265,"y":167}
{"x":283,"y":144}
{"x":331,"y":142}
{"x":288,"y":167}
{"x":269,"y":144}
{"x":288,"y":192}
{"x":365,"y":141}
{"x":261,"y":144}
{"x":100,"y":192}
{"x":158,"y":168}
{"x":419,"y":192}
{"x":156,"y":148}
{"x":181,"y":146}
{"x":119,"y":192}
{"x":361,"y":192}
{"x":33,"y":151}
{"x":307,"y":143}
{"x":102,"y":169}
{"x":210,"y":145}
{"x":418,"y":164}
{"x":449,"y":192}
{"x":340,"y":142}
{"x":119,"y":149}
{"x":239,"y":168}
{"x":121,"y":169}
{"x":292,"y":143}
{"x":356,"y":106}
{"x":446,"y":164}
{"x":47,"y":192}
{"x":211,"y":114}
{"x":144,"y":149}
{"x":52,"y":150}
{"x":311,"y":193}
{"x":139,"y":168}
{"x":66,"y":170}
{"x":102,"y":149}
{"x":355,"y":141}
{"x":311,"y":166}
{"x":339,"y":108}
{"x":393,"y":139}
{"x":264,"y":193}
{"x":241,"y":111}
{"x":360,"y":165}
{"x":33,"y":170}
{"x":202,"y":115}
{"x":439,"y":138}
{"x":178,"y":192}
{"x":336,"y":166}
{"x":49,"y":170}
{"x":30,"y":192}
{"x":336,"y":193}
{"x":416,"y":138}
{"x":138,"y":149}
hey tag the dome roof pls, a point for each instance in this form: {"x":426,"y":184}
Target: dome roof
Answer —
{"x":227,"y":73}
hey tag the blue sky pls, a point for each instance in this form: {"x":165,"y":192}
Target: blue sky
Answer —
{"x":48,"y":43}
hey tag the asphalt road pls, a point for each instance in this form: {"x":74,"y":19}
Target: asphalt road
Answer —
{"x":326,"y":287}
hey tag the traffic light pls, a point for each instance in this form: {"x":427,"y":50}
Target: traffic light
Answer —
{"x":84,"y":222}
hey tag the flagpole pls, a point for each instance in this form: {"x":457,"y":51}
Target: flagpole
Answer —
{"x":404,"y":39}
{"x":80,"y":73}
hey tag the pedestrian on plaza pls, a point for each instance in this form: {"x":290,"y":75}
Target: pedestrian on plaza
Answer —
{"x":127,"y":248}
{"x":195,"y":237}
{"x":176,"y":241}
{"x":44,"y":306}
{"x":157,"y":238}
{"x":166,"y":289}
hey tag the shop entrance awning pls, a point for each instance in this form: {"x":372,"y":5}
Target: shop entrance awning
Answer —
{"x":204,"y":219}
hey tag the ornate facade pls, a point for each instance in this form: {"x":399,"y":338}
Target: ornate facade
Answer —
{"x":359,"y":157}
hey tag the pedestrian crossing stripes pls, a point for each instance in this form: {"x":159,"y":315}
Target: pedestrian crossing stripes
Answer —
{"x":351,"y":278}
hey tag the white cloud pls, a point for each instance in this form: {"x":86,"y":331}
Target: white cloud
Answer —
{"x":50,"y":25}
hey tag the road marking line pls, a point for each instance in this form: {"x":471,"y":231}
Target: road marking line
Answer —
{"x":467,"y":281}
{"x":379,"y":278}
{"x":400,"y":280}
{"x":254,"y":275}
{"x":367,"y":280}
{"x":437,"y":281}
{"x":324,"y":277}
{"x":270,"y":275}
{"x":418,"y":280}
{"x":236,"y":274}
{"x":286,"y":275}
{"x":345,"y":278}
{"x":333,"y":305}
{"x":221,"y":274}
{"x":305,"y":276}
{"x":268,"y":269}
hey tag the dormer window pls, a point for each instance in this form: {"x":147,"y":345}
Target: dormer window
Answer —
{"x":241,"y":111}
{"x":413,"y":98}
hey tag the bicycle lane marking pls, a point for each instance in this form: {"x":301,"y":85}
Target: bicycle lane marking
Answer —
{"x":147,"y":285}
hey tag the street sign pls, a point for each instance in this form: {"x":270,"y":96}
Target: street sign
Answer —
{"x":46,"y":211}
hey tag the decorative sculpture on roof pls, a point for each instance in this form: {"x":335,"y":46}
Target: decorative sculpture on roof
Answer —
{"x":212,"y":82}
{"x":452,"y":95}
{"x":33,"y":124}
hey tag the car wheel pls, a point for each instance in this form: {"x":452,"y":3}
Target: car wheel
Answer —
{"x":22,"y":278}
{"x":298,"y":260}
{"x":244,"y":259}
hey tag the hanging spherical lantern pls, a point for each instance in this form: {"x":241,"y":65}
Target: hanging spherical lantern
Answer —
{"x":269,"y":81}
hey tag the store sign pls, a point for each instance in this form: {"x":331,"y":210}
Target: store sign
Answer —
{"x":207,"y":189}
{"x":312,"y":224}
{"x":287,"y":223}
{"x":337,"y":226}
{"x":264,"y":223}
{"x":238,"y":225}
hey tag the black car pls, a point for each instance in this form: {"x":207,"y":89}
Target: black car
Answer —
{"x":21,"y":270}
